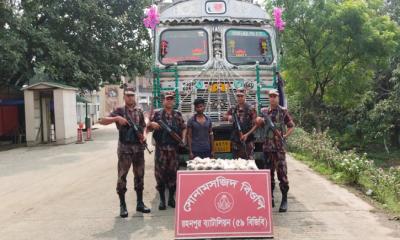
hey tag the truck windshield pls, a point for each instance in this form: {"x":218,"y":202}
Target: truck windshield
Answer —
{"x":184,"y":47}
{"x":246,"y":47}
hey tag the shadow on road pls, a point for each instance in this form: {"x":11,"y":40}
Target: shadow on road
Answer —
{"x":157,"y":225}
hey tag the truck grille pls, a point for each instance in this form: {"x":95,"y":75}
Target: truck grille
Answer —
{"x":217,"y":104}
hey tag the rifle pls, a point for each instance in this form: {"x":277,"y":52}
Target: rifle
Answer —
{"x":274,"y":129}
{"x":171,"y":132}
{"x":239,"y":128}
{"x":138,"y":134}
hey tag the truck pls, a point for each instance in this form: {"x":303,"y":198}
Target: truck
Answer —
{"x":210,"y":48}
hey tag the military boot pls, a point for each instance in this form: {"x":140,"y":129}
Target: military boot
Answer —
{"x":140,"y":207}
{"x":171,"y":197}
{"x":123,"y":212}
{"x":284,"y":203}
{"x":162,"y":205}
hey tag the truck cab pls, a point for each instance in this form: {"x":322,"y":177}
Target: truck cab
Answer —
{"x":210,"y":48}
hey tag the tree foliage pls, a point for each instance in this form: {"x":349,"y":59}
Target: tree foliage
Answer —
{"x":76,"y":42}
{"x":339,"y":58}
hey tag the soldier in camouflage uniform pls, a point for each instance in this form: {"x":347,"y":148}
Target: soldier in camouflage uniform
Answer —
{"x":273,"y":148}
{"x":166,"y":159}
{"x":131,"y":151}
{"x":247,"y":115}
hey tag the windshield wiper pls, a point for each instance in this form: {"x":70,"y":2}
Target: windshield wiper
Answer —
{"x":249,"y":63}
{"x":188,"y":62}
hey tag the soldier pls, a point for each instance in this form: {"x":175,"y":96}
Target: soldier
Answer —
{"x":274,"y":151}
{"x":166,"y":159}
{"x":130,"y":149}
{"x":199,"y":133}
{"x":242,"y":142}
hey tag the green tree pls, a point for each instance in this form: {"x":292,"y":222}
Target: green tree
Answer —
{"x":81,"y":42}
{"x":378,"y":118}
{"x":12,"y":47}
{"x":331,"y":52}
{"x":393,"y":8}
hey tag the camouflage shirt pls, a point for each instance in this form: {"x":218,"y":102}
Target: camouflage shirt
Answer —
{"x":136,"y":115}
{"x":169,"y":117}
{"x":247,"y":115}
{"x":279,"y":114}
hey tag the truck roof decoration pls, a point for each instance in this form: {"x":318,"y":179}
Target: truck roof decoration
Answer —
{"x":198,"y":11}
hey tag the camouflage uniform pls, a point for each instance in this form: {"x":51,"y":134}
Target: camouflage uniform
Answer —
{"x":166,"y":161}
{"x":130,"y":154}
{"x":247,"y":115}
{"x":274,"y":151}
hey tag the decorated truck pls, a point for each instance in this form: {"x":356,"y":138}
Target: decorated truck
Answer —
{"x":210,"y":48}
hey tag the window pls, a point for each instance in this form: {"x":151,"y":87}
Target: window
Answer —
{"x":184,"y":47}
{"x":245,"y":47}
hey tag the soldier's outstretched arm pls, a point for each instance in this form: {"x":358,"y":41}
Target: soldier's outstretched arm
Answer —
{"x":114,"y":117}
{"x":117,"y":119}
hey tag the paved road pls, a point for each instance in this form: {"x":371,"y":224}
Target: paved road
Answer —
{"x":68,"y":192}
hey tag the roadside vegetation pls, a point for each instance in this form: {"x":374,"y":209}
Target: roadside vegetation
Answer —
{"x":351,"y":168}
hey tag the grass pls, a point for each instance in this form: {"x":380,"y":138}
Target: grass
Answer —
{"x":318,"y":167}
{"x":386,"y":199}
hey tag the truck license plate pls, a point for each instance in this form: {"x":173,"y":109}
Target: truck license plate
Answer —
{"x":222,"y":146}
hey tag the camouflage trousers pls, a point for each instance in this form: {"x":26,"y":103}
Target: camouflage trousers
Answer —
{"x":125,"y":160}
{"x":165,"y":168}
{"x":239,"y":151}
{"x":276,"y":161}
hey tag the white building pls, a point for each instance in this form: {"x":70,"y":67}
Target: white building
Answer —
{"x":50,"y":113}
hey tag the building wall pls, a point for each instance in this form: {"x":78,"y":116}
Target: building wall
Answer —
{"x":32,"y":117}
{"x":144,"y":92}
{"x":65,"y":116}
{"x":111,"y":96}
{"x":93,"y":109}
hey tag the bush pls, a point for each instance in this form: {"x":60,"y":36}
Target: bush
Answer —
{"x":319,"y":145}
{"x":348,"y":165}
{"x":324,"y":150}
{"x":352,"y":165}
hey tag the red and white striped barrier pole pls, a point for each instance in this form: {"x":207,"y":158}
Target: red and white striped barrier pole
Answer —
{"x":89,"y":134}
{"x":80,"y":134}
